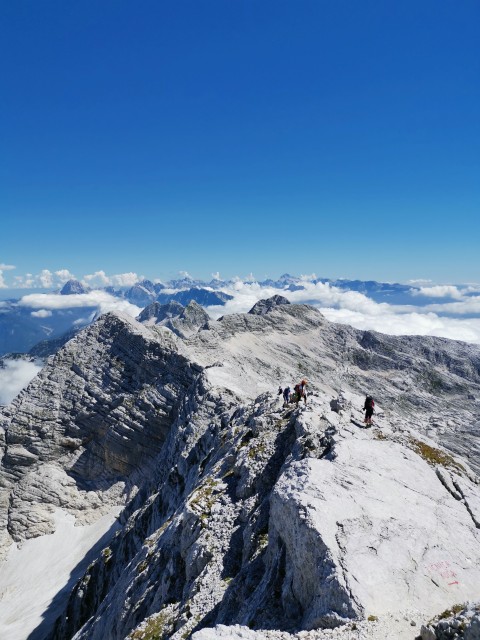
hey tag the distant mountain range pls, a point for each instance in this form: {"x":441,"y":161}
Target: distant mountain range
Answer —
{"x":23,"y":327}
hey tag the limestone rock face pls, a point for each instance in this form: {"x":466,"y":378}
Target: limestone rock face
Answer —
{"x":156,"y":313}
{"x":183,"y":321}
{"x":95,"y":415}
{"x":264,"y":306}
{"x":241,"y":517}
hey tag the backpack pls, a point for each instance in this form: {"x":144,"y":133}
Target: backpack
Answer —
{"x":369,"y":402}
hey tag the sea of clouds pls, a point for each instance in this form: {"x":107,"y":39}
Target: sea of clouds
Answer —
{"x":458,"y":318}
{"x":454,"y":312}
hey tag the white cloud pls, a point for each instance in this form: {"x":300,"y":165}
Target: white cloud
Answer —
{"x":126,"y":279}
{"x":14,"y":377}
{"x":216,"y":275}
{"x":100,"y":279}
{"x":418,"y":282}
{"x":4,"y":267}
{"x":45,"y":278}
{"x":80,"y":322}
{"x":467,"y":306}
{"x":472,"y":288}
{"x":102,"y":300}
{"x":308,"y":277}
{"x":357,"y":310}
{"x":438,"y":291}
{"x":24,"y":282}
{"x":41,"y":313}
{"x":351,"y":307}
{"x":245,"y":295}
{"x":64,"y":275}
{"x":97,"y":279}
{"x":421,"y":324}
{"x":184,"y":274}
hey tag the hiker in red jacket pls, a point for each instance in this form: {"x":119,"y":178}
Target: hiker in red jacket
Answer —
{"x":300,"y":391}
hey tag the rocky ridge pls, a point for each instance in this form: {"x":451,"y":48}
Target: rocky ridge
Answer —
{"x":235,"y":510}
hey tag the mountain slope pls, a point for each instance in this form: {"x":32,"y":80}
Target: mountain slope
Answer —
{"x":235,"y":510}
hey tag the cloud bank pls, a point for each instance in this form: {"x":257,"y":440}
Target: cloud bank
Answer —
{"x":47,"y":279}
{"x":445,"y":320}
{"x":450,"y":311}
{"x":439,"y":291}
{"x":4,"y":267}
{"x":102,"y":300}
{"x":15,"y":376}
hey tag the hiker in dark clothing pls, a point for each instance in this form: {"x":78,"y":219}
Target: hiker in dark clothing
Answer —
{"x":286,"y":396}
{"x":368,"y":408}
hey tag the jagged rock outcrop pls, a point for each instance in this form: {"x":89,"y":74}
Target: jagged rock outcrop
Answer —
{"x":156,"y":313}
{"x":236,"y":511}
{"x":183,"y":321}
{"x":200,"y":295}
{"x":457,"y":622}
{"x":264,"y":306}
{"x":95,"y":415}
{"x":141,"y":293}
{"x":72,"y":287}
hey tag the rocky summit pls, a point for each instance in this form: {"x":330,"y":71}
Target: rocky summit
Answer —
{"x":153,"y":484}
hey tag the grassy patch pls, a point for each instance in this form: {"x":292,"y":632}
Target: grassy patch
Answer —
{"x":434,"y":456}
{"x":142,"y":566}
{"x":203,"y":499}
{"x":256,"y":451}
{"x":107,"y":554}
{"x":263,"y":540}
{"x":157,"y":627}
{"x":372,"y":618}
{"x":453,"y":611}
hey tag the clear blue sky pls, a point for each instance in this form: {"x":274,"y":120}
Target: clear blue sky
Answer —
{"x":340,"y":137}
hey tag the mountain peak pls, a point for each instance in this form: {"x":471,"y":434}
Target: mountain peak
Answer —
{"x":265,"y":306}
{"x":72,"y":287}
{"x":156,"y":313}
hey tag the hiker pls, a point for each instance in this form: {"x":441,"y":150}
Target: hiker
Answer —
{"x":280,"y":391}
{"x":300,"y":392}
{"x":368,"y":408}
{"x":286,"y":396}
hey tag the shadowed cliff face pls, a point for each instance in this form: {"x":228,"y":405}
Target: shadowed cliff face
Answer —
{"x":96,"y":414}
{"x":235,"y":509}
